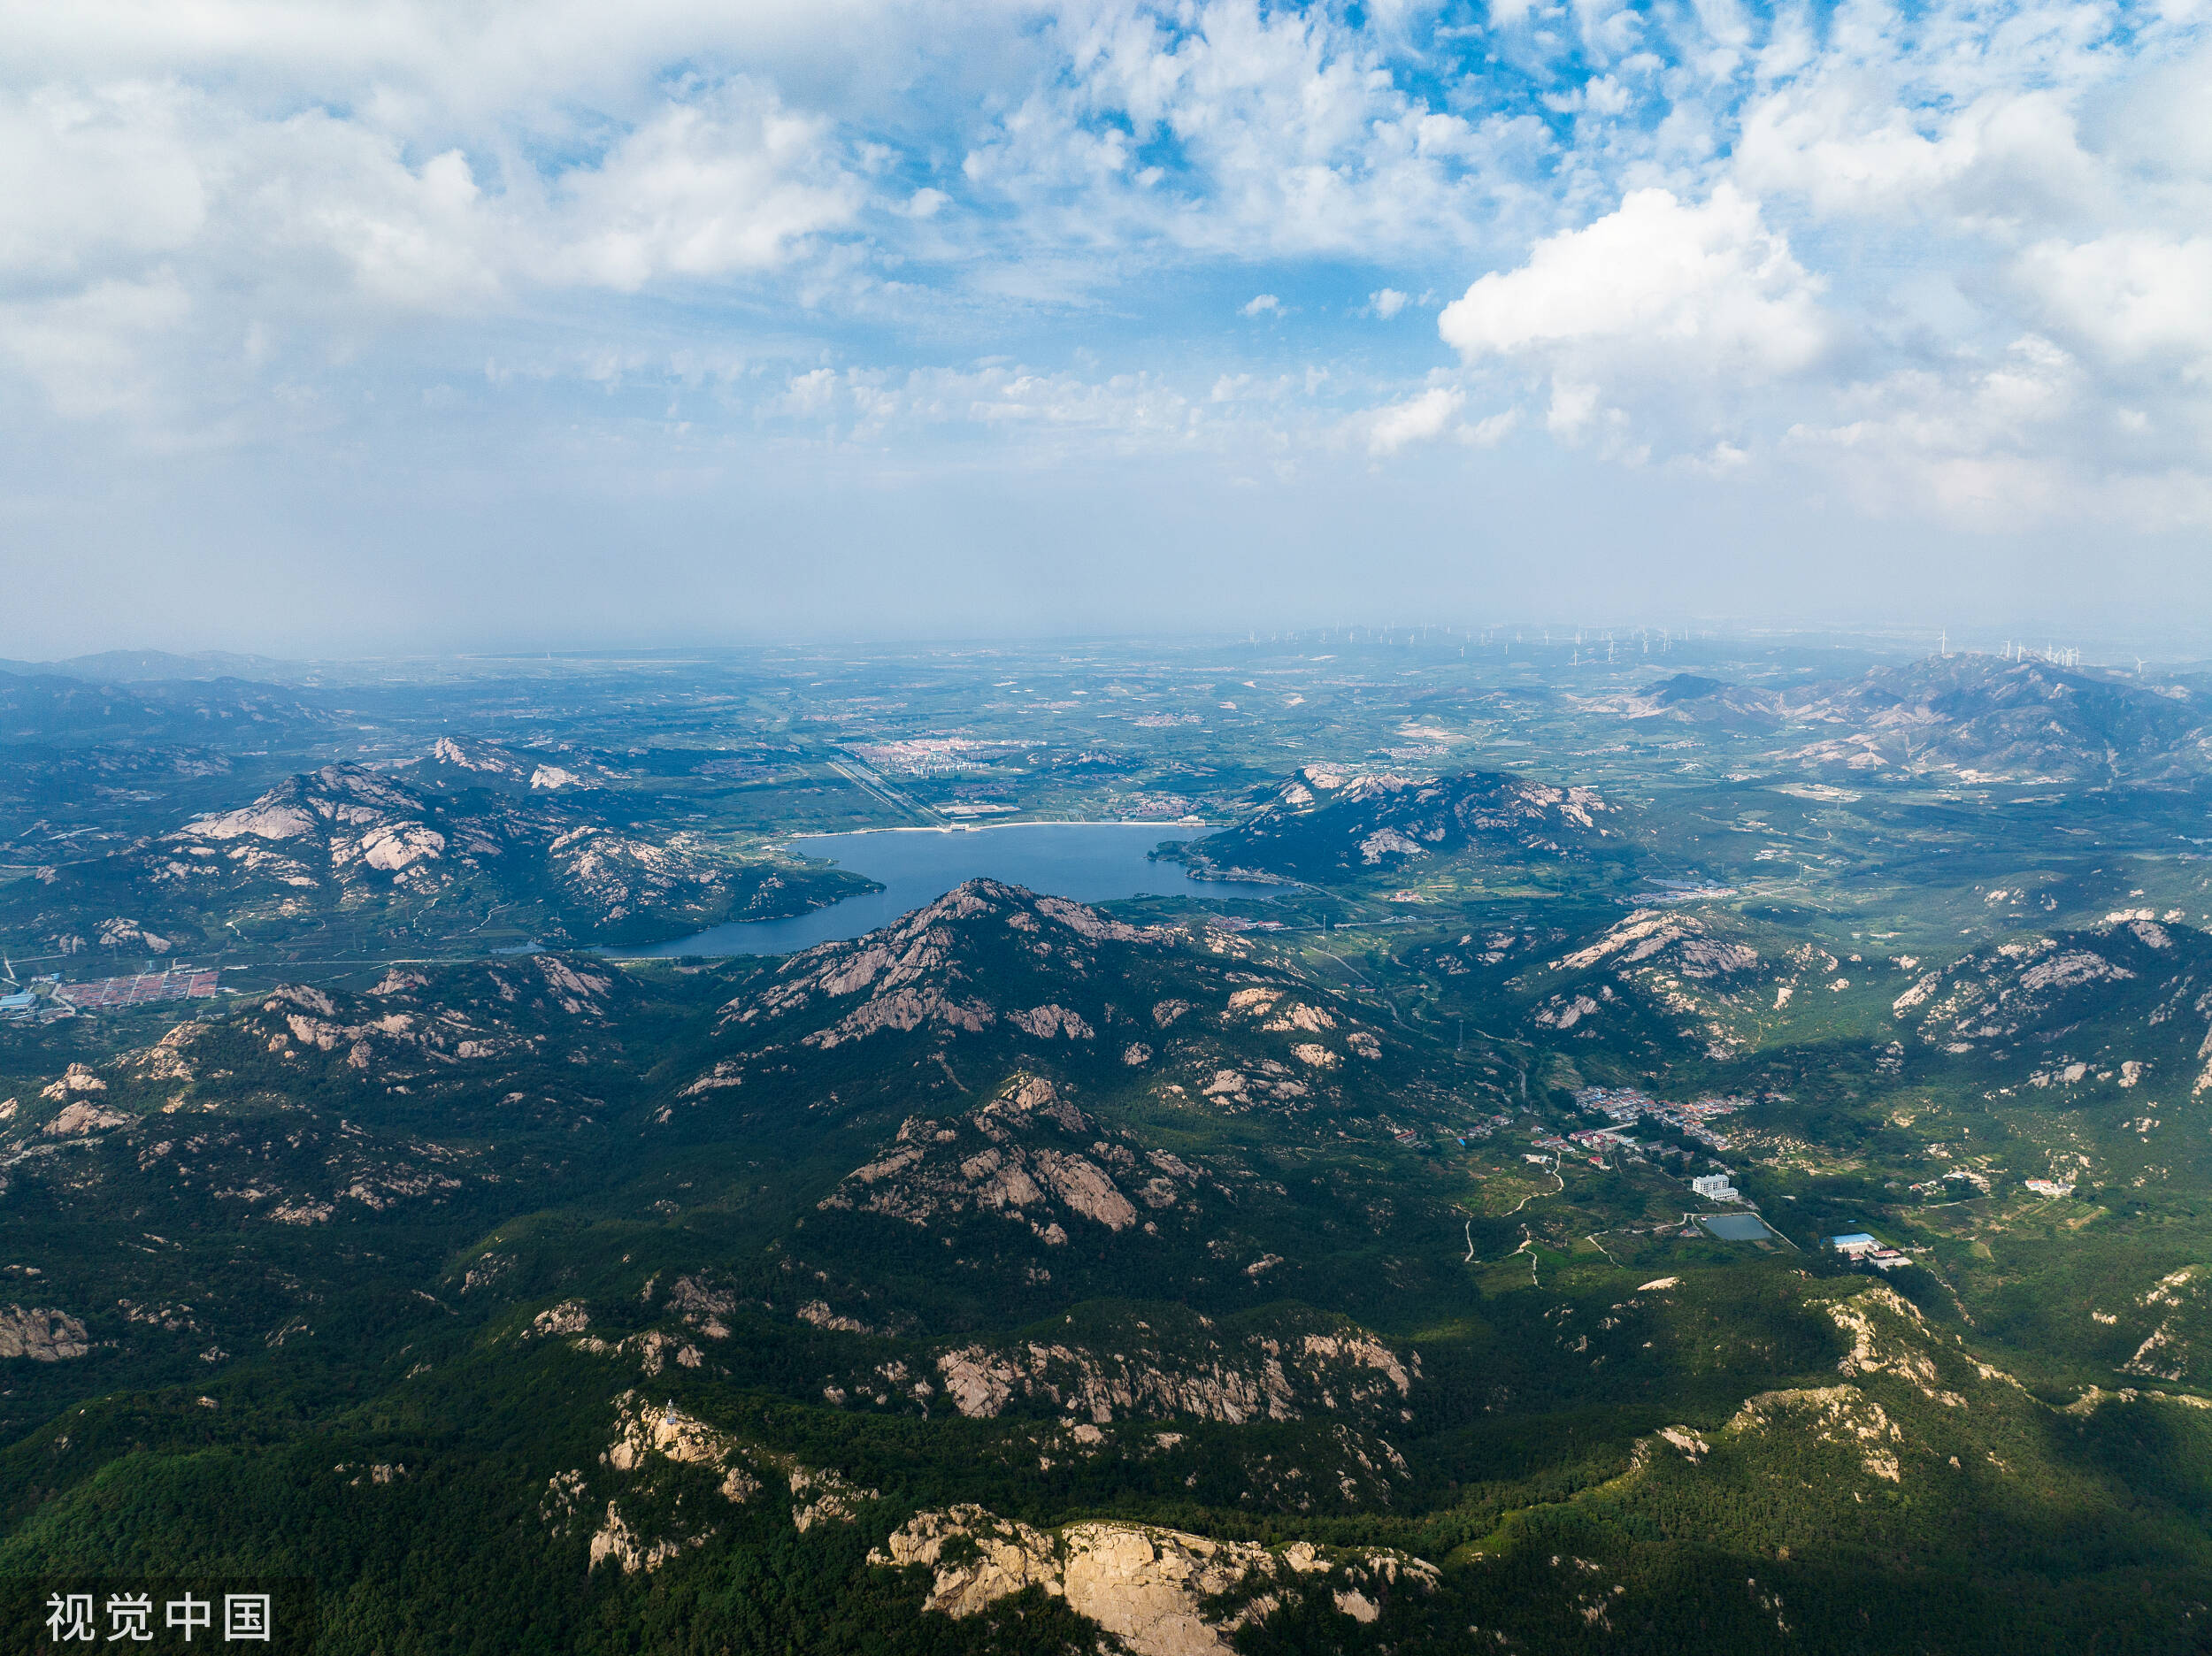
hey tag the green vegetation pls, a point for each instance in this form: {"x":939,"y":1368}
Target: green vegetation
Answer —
{"x":533,"y":1302}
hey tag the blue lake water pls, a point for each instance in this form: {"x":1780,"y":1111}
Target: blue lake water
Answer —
{"x":1089,"y":861}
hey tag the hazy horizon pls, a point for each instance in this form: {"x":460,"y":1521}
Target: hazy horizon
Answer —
{"x":1546,"y":648}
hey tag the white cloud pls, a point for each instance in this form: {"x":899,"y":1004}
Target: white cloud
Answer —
{"x":328,"y":226}
{"x":1132,"y":413}
{"x":811,"y":396}
{"x":1282,"y":129}
{"x":92,"y":180}
{"x":1660,"y":324}
{"x":1748,"y":240}
{"x":2135,"y":299}
{"x":1724,"y":460}
{"x":1490,"y":432}
{"x":1708,"y":291}
{"x":88,"y":350}
{"x":1417,"y":419}
{"x":1970,"y":449}
{"x":1573,"y":407}
{"x":721,"y":187}
{"x":2006,"y":158}
{"x":318,"y":198}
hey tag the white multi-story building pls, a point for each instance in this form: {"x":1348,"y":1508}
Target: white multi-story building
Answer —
{"x":1716,"y":1187}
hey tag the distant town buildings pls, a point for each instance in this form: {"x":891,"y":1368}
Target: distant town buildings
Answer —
{"x":1628,"y":1104}
{"x":1602,"y":1139}
{"x":1482,"y":1127}
{"x":931,"y":755}
{"x":2049,"y":1187}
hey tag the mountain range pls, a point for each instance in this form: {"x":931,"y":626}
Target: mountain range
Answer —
{"x":1970,"y":717}
{"x":426,"y":851}
{"x":1020,"y":1274}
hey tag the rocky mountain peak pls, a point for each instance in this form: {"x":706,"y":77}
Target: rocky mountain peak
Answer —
{"x":1327,"y":820}
{"x":479,"y":762}
{"x":1987,"y":716}
{"x":311,"y":803}
{"x":983,"y":952}
{"x":1025,"y":1153}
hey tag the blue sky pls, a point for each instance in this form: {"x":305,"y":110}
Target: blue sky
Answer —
{"x":395,"y":325}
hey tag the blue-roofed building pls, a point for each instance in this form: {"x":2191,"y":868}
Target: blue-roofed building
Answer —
{"x":1857,"y":1244}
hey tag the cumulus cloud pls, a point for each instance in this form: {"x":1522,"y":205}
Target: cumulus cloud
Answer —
{"x":304,"y":210}
{"x":1492,"y":430}
{"x":93,"y":179}
{"x":322,"y":211}
{"x":154,"y":223}
{"x":2005,"y":155}
{"x":1417,"y":419}
{"x":2136,"y":299}
{"x":1658,"y":285}
{"x":1260,"y":305}
{"x":720,"y":187}
{"x":1656,"y":325}
{"x":1387,"y":303}
{"x":1972,"y":448}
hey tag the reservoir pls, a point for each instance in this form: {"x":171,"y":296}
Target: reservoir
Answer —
{"x":1089,"y":861}
{"x":1733,"y":1227}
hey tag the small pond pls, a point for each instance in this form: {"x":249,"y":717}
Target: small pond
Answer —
{"x":1736,"y":1227}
